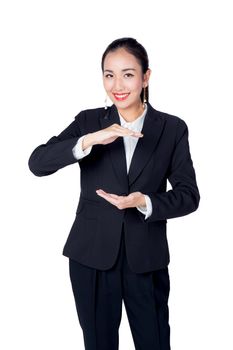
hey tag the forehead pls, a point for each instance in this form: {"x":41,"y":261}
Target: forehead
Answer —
{"x":120,"y":59}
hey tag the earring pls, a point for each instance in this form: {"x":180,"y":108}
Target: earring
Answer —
{"x":144,"y":95}
{"x":105,"y":102}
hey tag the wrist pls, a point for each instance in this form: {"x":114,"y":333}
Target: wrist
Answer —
{"x":88,"y":140}
{"x":142,"y":202}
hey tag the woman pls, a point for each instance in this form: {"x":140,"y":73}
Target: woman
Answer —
{"x":117,"y":246}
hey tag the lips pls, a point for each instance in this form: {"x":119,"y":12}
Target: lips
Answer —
{"x":121,"y":97}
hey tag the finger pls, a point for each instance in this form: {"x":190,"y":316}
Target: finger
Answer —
{"x":121,"y":130}
{"x":132,"y":132}
{"x":114,"y":199}
{"x":137,"y":134}
{"x":103,"y":193}
{"x":112,"y":195}
{"x":108,"y":198}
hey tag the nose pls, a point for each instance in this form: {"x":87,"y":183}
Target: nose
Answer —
{"x":118,"y":85}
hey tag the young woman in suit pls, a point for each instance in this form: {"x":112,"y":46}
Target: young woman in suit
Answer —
{"x":117,"y":246}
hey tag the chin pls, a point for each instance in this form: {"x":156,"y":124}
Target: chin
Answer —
{"x":125,"y":104}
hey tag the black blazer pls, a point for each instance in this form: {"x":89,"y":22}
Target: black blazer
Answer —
{"x":163,"y":153}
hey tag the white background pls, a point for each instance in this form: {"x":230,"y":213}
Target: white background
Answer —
{"x":50,"y":70}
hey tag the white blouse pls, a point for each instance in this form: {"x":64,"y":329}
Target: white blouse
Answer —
{"x":130,"y":143}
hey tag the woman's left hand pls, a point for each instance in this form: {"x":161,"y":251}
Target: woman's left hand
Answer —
{"x":132,"y":200}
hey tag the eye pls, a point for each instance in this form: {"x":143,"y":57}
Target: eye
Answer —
{"x":108,"y":75}
{"x":129,"y":74}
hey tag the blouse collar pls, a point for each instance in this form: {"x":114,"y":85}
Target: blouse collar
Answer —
{"x":136,"y":121}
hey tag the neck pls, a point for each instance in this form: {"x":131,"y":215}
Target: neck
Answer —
{"x":132,"y":113}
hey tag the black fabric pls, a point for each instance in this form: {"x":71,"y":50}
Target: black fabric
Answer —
{"x":99,"y":294}
{"x":161,"y":154}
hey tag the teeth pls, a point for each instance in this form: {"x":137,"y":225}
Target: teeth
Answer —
{"x":121,"y":96}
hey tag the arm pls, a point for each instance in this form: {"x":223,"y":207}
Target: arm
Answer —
{"x":57,"y":153}
{"x":184,"y":197}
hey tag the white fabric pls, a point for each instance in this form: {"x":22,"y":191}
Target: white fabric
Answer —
{"x":130,"y":143}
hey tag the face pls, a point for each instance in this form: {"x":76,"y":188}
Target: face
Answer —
{"x":123,"y":79}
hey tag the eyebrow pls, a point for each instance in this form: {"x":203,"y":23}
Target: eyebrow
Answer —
{"x":123,"y":70}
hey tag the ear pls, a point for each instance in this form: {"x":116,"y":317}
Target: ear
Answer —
{"x":147,"y":77}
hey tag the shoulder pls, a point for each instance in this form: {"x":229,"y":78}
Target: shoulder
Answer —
{"x":90,"y":113}
{"x":175,"y":125}
{"x":171,"y":119}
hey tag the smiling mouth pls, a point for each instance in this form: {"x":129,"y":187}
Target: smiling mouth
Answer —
{"x":121,"y":97}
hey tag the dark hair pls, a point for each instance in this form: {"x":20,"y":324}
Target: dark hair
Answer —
{"x":136,"y":49}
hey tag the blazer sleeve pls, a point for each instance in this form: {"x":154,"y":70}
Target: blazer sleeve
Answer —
{"x":184,"y":197}
{"x":57,"y":153}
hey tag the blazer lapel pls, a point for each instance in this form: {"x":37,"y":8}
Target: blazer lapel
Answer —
{"x":152,"y":129}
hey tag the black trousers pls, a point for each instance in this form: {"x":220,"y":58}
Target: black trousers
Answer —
{"x":98,"y":297}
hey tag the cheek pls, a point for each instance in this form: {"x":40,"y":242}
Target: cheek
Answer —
{"x":108,"y":85}
{"x":135,"y":85}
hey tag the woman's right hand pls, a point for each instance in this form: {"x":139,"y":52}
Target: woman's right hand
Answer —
{"x":108,"y":135}
{"x":111,"y":133}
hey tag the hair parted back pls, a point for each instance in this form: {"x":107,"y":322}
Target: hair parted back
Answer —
{"x":136,"y":49}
